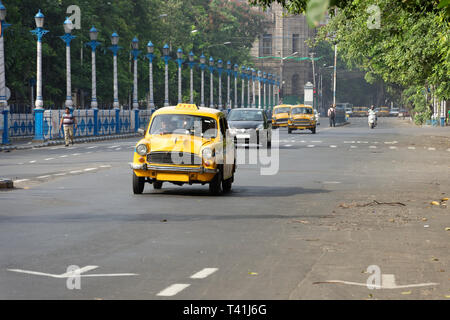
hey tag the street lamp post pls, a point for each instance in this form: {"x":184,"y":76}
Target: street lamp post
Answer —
{"x":191,"y":67}
{"x":93,"y":35}
{"x":278,"y":83}
{"x":249,"y":76}
{"x":202,"y":67}
{"x":115,"y":49}
{"x":259,"y":89}
{"x":253,"y":75}
{"x":243,"y":75}
{"x":67,"y":38}
{"x":264,"y":91}
{"x":3,"y":101}
{"x":211,"y":88}
{"x":180,"y":63}
{"x":166,"y":78}
{"x":236,"y":72}
{"x":275,"y":102}
{"x":269,"y":85}
{"x":39,"y":32}
{"x":135,"y":51}
{"x":228,"y":84}
{"x":150,"y":57}
{"x":220,"y":70}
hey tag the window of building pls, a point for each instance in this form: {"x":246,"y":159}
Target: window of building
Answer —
{"x":267,"y":44}
{"x":295,"y":42}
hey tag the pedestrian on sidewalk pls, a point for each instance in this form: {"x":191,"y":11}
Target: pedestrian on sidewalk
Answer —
{"x":68,"y":120}
{"x":332,"y":115}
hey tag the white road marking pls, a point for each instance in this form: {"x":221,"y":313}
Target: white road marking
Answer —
{"x":42,"y":177}
{"x":76,"y":154}
{"x":316,"y":141}
{"x":76,"y":272}
{"x":48,"y":159}
{"x":173,"y":290}
{"x":353,"y":147}
{"x":92,"y":147}
{"x":75,"y":171}
{"x":21,"y":180}
{"x":65,"y":156}
{"x":391,"y":142}
{"x":118,"y":149}
{"x":333,"y":146}
{"x":90,"y":169}
{"x":393,"y":148}
{"x":204,"y":273}
{"x":33,"y":161}
{"x":331,"y":182}
{"x":89,"y":152}
{"x":112,"y":147}
{"x":311,"y":146}
{"x":288,"y":145}
{"x":60,"y":174}
{"x":349,"y":141}
{"x":432,"y":149}
{"x":448,"y":149}
{"x":412,"y":148}
{"x":106,"y":166}
{"x":372,"y":147}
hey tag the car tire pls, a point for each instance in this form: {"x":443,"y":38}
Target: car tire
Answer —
{"x":215,"y":186}
{"x":138,"y":184}
{"x":269,"y":142}
{"x":289,"y":131}
{"x":157,"y":185}
{"x":313,"y":130}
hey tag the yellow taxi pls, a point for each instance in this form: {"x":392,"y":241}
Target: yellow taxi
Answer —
{"x":383,"y":111}
{"x":280,"y":115}
{"x":185,"y":144}
{"x":360,"y":112}
{"x":302,"y":118}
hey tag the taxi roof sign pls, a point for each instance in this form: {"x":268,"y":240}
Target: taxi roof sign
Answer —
{"x":187,"y":106}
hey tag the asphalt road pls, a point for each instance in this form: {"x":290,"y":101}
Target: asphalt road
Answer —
{"x":282,"y":236}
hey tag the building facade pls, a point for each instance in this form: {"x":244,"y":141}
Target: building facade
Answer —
{"x":284,"y":36}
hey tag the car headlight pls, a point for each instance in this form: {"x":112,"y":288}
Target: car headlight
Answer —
{"x":207,"y":153}
{"x":142,"y":149}
{"x":260,"y":127}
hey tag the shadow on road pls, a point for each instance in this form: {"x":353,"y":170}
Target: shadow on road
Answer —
{"x":240,"y":192}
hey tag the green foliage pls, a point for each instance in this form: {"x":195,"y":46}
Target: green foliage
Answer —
{"x":160,"y":21}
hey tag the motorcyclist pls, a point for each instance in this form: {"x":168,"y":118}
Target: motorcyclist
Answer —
{"x":373,"y":113}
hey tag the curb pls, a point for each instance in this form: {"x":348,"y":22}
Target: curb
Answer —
{"x":76,"y":140}
{"x":6,"y":184}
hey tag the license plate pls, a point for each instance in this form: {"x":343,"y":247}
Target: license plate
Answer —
{"x":243,"y":136}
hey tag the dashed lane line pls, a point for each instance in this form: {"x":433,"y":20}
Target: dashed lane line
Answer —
{"x":431,"y":149}
{"x":49,"y":159}
{"x":43,"y":177}
{"x":372,"y":147}
{"x":393,"y":148}
{"x":173,"y":290}
{"x":21,"y":180}
{"x":333,"y":146}
{"x":76,"y":171}
{"x":202,"y":274}
{"x":33,"y":161}
{"x":90,"y":169}
{"x":411,"y":148}
{"x":64,"y":156}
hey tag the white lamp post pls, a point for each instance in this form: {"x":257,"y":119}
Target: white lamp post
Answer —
{"x":115,"y":49}
{"x":243,"y":75}
{"x":254,"y":88}
{"x":220,"y":70}
{"x":67,"y":38}
{"x":166,"y":50}
{"x":203,"y":66}
{"x":93,"y":34}
{"x":180,"y":63}
{"x":150,"y":56}
{"x":249,"y":94}
{"x":228,"y":84}
{"x":236,"y":72}
{"x":191,"y":67}
{"x":264,"y":80}
{"x":259,"y":78}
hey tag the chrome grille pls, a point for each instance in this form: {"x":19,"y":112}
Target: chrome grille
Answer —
{"x":174,"y":158}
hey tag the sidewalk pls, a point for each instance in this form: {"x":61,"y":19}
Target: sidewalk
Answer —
{"x":23,"y":144}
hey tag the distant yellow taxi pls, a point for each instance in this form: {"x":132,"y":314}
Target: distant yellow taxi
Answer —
{"x":302,"y":118}
{"x":185,"y":144}
{"x":280,"y":115}
{"x":383,"y":112}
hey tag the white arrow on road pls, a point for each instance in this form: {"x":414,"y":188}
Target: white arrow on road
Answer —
{"x":77,"y":272}
{"x":387,"y":282}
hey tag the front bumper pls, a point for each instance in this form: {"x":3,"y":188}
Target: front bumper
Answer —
{"x":148,"y":167}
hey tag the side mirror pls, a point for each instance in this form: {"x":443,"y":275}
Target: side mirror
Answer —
{"x":141,"y":131}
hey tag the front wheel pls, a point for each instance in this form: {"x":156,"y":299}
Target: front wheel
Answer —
{"x":215,"y":186}
{"x":289,"y":131}
{"x":313,"y":130}
{"x":138,"y":184}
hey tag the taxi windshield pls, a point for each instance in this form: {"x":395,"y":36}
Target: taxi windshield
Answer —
{"x":302,"y":111}
{"x":246,"y":115}
{"x":282,"y":110}
{"x":184,"y":124}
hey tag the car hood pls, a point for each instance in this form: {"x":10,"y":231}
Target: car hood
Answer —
{"x":244,"y":124}
{"x":280,"y":115}
{"x":303,"y":116}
